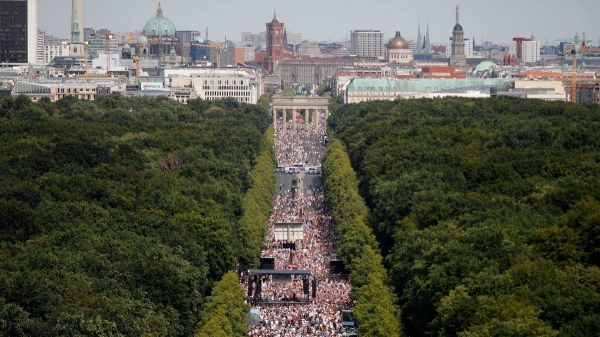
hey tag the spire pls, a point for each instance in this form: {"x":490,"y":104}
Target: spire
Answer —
{"x":419,"y":46}
{"x":457,"y":18}
{"x":532,"y":36}
{"x":159,"y":10}
{"x":75,"y":33}
{"x":427,"y":41}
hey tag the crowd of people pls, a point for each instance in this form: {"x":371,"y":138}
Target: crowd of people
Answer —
{"x":301,"y":147}
{"x":286,"y":310}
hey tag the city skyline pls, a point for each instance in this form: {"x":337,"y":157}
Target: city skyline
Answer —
{"x":497,"y":22}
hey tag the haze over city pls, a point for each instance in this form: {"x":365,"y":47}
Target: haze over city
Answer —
{"x":333,"y":20}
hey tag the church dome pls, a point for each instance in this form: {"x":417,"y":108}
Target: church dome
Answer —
{"x":397,"y":42}
{"x":126,"y":47}
{"x":159,"y":25}
{"x":458,"y":28}
{"x":142,"y":39}
{"x":199,"y":39}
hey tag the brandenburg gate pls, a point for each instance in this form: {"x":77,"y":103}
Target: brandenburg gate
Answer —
{"x":297,"y":104}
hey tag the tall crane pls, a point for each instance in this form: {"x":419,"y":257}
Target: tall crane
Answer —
{"x":108,"y":37}
{"x":574,"y":77}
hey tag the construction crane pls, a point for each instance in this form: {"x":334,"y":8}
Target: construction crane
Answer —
{"x":218,"y":47}
{"x":574,"y":77}
{"x":108,"y":37}
{"x":136,"y":59}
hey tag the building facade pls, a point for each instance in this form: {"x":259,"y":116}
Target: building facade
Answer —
{"x":397,"y":50}
{"x":367,"y":43}
{"x":531,"y":51}
{"x":56,"y":89}
{"x":53,"y":50}
{"x":159,"y":40}
{"x":19,"y":33}
{"x":274,"y":44}
{"x":309,"y":73}
{"x":376,"y":89}
{"x":468,"y":48}
{"x":457,"y":56}
{"x":244,"y":85}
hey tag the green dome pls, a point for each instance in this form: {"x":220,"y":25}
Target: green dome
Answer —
{"x":159,"y":25}
{"x":485,"y":66}
{"x":142,"y":39}
{"x":199,"y":39}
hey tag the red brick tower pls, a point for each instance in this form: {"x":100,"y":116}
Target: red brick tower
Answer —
{"x":274,"y":43}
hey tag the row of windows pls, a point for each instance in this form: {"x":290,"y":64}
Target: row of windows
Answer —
{"x":239,"y":99}
{"x":84,"y":97}
{"x":227,"y":93}
{"x":226,"y":82}
{"x":74,"y":90}
{"x":225,"y":87}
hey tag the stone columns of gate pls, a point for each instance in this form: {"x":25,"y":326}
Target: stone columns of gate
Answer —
{"x":284,"y":112}
{"x":306,"y":117}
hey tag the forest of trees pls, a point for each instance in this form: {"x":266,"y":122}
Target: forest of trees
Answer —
{"x":487,"y":211}
{"x":376,"y":308}
{"x":119,"y":216}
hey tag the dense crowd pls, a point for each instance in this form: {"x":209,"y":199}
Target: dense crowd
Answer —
{"x":285,"y":309}
{"x":301,"y":147}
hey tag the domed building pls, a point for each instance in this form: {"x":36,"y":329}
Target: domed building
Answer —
{"x":397,"y":50}
{"x":159,"y":37}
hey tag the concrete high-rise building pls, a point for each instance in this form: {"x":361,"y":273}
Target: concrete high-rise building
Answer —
{"x":458,"y":44}
{"x":294,"y":38}
{"x":274,"y":44}
{"x":531,"y":51}
{"x":515,"y":47}
{"x":367,"y":43}
{"x":41,"y":38}
{"x":19,"y":33}
{"x":77,"y":14}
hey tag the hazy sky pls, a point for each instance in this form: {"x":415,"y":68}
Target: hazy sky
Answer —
{"x":497,"y":21}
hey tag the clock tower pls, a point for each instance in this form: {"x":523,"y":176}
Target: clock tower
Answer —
{"x":274,"y":44}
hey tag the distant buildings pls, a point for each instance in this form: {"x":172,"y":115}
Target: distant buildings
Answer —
{"x":293,"y":38}
{"x":457,"y":56}
{"x":258,"y":40}
{"x":244,"y":85}
{"x":397,"y":50}
{"x":468,"y":48}
{"x":367,"y":43}
{"x":274,"y":44}
{"x":309,"y":73}
{"x":19,"y":33}
{"x":372,"y":89}
{"x":309,"y":48}
{"x":58,"y":88}
{"x":525,"y":49}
